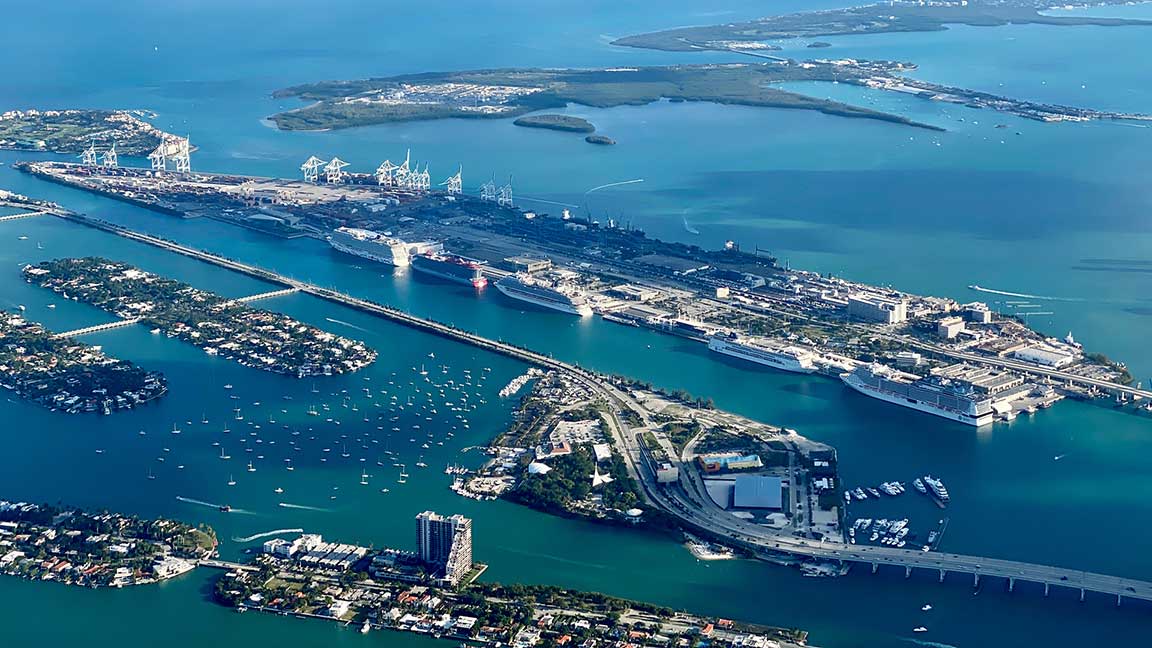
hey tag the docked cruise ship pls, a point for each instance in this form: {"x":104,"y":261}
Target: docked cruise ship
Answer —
{"x":765,"y":352}
{"x":378,"y":247}
{"x":451,"y":267}
{"x":940,"y":396}
{"x":544,"y":293}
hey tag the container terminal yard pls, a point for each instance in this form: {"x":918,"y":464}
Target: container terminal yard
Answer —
{"x":961,"y":361}
{"x":672,"y":486}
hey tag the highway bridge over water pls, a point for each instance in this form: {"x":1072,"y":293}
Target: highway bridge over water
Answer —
{"x":678,"y":500}
{"x":108,"y":326}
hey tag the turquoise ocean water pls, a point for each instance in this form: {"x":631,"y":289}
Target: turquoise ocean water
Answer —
{"x":930,"y":212}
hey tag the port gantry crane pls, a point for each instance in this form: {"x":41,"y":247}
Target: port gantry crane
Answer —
{"x":422,"y":181}
{"x":504,"y":196}
{"x":334,"y":172}
{"x":454,"y":185}
{"x":88,"y":155}
{"x":488,"y":191}
{"x":110,"y":160}
{"x":311,"y":169}
{"x":385,"y":174}
{"x":400,"y":175}
{"x":178,"y":150}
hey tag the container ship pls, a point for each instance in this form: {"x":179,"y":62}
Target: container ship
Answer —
{"x":378,"y":247}
{"x":450,"y":267}
{"x":764,"y":352}
{"x":946,"y":398}
{"x":543,"y":293}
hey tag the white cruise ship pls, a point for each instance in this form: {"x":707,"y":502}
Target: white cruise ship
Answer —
{"x":765,"y":352}
{"x":946,"y":398}
{"x":378,"y":247}
{"x":544,"y":293}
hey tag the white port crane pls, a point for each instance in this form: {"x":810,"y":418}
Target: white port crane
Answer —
{"x":334,"y":171}
{"x":311,"y":169}
{"x":454,"y":185}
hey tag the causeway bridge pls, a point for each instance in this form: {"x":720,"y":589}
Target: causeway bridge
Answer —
{"x":677,"y":499}
{"x":136,"y":320}
{"x":12,"y":217}
{"x":266,"y":295}
{"x":108,"y":326}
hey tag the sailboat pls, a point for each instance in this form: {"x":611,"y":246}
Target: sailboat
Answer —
{"x":175,"y":430}
{"x":423,"y":371}
{"x":231,"y":482}
{"x":150,"y":475}
{"x":224,"y":456}
{"x":251,"y":468}
{"x":363,"y":478}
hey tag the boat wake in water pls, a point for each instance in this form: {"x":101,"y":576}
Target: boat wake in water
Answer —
{"x":348,"y":324}
{"x":266,"y":534}
{"x":189,"y":500}
{"x":1016,"y":294}
{"x":614,"y":184}
{"x":930,"y":644}
{"x":303,"y":507}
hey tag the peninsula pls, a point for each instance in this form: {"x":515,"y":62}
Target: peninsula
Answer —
{"x":68,"y":376}
{"x":887,"y":17}
{"x":72,"y":131}
{"x":503,"y":93}
{"x":509,"y":93}
{"x":74,"y":547}
{"x":226,"y":327}
{"x":415,"y":591}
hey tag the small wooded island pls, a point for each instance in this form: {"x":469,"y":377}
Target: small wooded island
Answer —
{"x":567,"y":124}
{"x":564,"y":123}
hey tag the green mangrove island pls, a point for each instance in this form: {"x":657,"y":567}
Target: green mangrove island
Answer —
{"x":564,"y":123}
